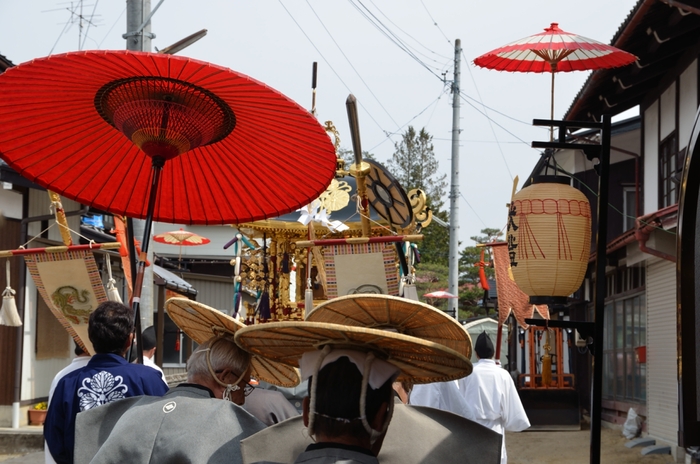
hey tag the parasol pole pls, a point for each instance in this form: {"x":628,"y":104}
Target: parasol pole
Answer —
{"x":551,"y":111}
{"x":158,"y":164}
{"x":359,"y":170}
{"x":60,"y":217}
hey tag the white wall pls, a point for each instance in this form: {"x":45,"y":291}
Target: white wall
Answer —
{"x":10,"y":204}
{"x":651,"y":158}
{"x":40,"y":205}
{"x":662,"y":378}
{"x":688,"y":104}
{"x":668,"y":112}
{"x":36,"y":374}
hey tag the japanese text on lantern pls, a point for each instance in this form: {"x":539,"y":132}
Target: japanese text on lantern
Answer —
{"x":512,"y":238}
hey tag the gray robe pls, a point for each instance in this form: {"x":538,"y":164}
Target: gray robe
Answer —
{"x":186,"y":425}
{"x":334,"y":456}
{"x":416,"y":435}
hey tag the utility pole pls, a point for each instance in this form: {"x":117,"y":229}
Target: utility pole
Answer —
{"x":138,"y":38}
{"x":454,"y":188}
{"x":138,"y":25}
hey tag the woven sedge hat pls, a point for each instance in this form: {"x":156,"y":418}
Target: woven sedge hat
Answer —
{"x":420,"y":361}
{"x":405,"y":316}
{"x":201,"y":322}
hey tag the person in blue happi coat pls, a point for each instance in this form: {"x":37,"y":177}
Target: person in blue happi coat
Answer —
{"x":107,"y":377}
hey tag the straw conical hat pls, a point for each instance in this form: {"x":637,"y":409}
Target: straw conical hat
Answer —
{"x":420,"y":361}
{"x":407,"y":317}
{"x":201,"y":322}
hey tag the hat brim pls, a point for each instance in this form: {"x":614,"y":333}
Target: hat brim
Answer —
{"x":201,"y":322}
{"x":420,"y":361}
{"x":407,"y":317}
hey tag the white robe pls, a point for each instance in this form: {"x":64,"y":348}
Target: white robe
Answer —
{"x":439,"y":395}
{"x":493,"y":401}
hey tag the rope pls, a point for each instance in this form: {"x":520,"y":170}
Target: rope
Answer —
{"x":312,"y":400}
{"x":230,"y":387}
{"x":90,"y":241}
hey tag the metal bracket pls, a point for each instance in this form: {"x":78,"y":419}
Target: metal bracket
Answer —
{"x":150,"y":35}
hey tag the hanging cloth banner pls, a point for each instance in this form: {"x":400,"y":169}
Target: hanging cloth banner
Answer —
{"x":70,"y":284}
{"x":510,"y":297}
{"x":361,"y":268}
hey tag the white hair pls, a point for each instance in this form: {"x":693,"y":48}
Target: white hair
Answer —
{"x":223,"y":354}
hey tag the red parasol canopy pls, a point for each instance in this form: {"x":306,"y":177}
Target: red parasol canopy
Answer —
{"x":554,"y":50}
{"x":439,"y":294}
{"x":88,"y":124}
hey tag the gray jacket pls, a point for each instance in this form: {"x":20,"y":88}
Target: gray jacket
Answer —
{"x":185,"y":425}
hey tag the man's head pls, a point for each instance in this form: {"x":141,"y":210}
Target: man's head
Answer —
{"x":337,"y":415}
{"x":148,"y":340}
{"x":484,"y":347}
{"x":220,"y":365}
{"x":111,"y":328}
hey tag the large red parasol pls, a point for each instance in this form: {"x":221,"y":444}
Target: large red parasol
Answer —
{"x":125,"y":131}
{"x":89,"y":125}
{"x":554,"y":50}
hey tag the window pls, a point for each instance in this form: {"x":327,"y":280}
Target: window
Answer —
{"x":629,"y":206}
{"x":670,"y":166}
{"x":624,"y":379}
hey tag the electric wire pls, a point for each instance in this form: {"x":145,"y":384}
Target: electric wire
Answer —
{"x":63,"y":31}
{"x":391,"y":36}
{"x":433,"y":103}
{"x":500,"y":149}
{"x":472,"y":208}
{"x":330,"y":66}
{"x":411,"y":37}
{"x":496,"y":123}
{"x":110,"y":29}
{"x":610,"y":205}
{"x":350,"y":63}
{"x":87,"y":29}
{"x":435,"y":23}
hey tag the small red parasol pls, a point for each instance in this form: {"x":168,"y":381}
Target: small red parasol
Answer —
{"x":439,"y":294}
{"x":554,"y":50}
{"x":182,"y":238}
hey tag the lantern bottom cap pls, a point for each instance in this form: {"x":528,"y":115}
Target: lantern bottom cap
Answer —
{"x":548,"y":300}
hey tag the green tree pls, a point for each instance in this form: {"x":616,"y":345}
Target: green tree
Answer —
{"x":415,"y":166}
{"x":349,"y":156}
{"x":471,"y":255}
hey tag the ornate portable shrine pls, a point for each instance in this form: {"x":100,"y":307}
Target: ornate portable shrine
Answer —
{"x":323,"y":250}
{"x":327,"y":259}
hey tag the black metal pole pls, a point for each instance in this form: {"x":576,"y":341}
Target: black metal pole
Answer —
{"x":600,"y":284}
{"x":158,"y":164}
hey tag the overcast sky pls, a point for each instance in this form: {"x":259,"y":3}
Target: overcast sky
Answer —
{"x":391,"y":54}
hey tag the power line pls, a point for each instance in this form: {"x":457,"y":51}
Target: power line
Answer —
{"x":411,"y":37}
{"x":436,"y":24}
{"x":473,"y":210}
{"x":350,"y":63}
{"x":389,"y":35}
{"x":489,"y":119}
{"x":434,"y":102}
{"x":110,"y":29}
{"x":330,"y":66}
